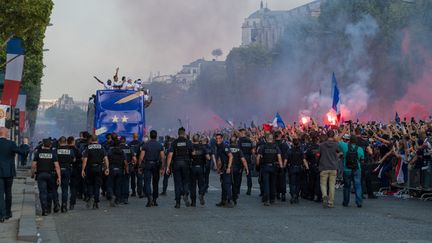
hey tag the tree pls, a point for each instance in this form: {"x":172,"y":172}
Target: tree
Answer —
{"x":217,"y":53}
{"x":27,"y":20}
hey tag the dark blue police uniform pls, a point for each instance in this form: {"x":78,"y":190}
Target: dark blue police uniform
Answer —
{"x":45,"y":165}
{"x":198,"y":163}
{"x":95,"y":155}
{"x":269,"y":158}
{"x":151,"y":166}
{"x":133,"y":171}
{"x":66,"y":158}
{"x":281,"y":173}
{"x":126,"y":177}
{"x":182,"y":151}
{"x":76,"y":180}
{"x":222,"y":153}
{"x":117,"y":158}
{"x":237,"y":170}
{"x":295,"y":160}
{"x":246,"y":146}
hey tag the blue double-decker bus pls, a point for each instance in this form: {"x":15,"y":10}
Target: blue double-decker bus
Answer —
{"x":119,"y":111}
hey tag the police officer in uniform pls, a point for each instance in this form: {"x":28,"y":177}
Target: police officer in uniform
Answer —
{"x":269,"y":155}
{"x":53,"y":196}
{"x":248,"y":150}
{"x":75,"y":172}
{"x":312,"y":157}
{"x":208,"y":165}
{"x":296,"y":161}
{"x":140,"y":173}
{"x":44,"y":162}
{"x":81,"y":185}
{"x":180,"y":153}
{"x":224,"y":159}
{"x":126,"y":175}
{"x":200,"y":157}
{"x":66,"y":158}
{"x":261,"y":142}
{"x":281,"y":174}
{"x":94,"y":157}
{"x":117,"y":164}
{"x":134,"y":145}
{"x":238,"y":164}
{"x":151,"y":159}
{"x":167,"y":144}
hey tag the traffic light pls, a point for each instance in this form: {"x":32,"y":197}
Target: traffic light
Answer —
{"x":16,"y":120}
{"x":8,"y":124}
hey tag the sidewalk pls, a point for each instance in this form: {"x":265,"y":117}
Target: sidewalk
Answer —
{"x":22,"y":226}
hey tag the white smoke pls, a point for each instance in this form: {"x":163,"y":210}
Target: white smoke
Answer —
{"x":357,"y":94}
{"x":353,"y":76}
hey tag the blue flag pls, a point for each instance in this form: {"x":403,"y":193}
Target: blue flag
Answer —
{"x":335,"y":93}
{"x":397,"y":118}
{"x":278,"y":122}
{"x":119,"y":111}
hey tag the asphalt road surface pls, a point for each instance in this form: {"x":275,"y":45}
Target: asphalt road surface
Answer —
{"x":380,"y":220}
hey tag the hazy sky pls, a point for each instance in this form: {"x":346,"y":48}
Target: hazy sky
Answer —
{"x":93,"y":37}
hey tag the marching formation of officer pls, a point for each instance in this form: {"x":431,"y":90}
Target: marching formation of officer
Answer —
{"x":117,"y":169}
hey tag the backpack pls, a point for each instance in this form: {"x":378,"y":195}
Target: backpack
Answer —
{"x":352,"y":157}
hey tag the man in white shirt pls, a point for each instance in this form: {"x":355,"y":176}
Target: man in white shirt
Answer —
{"x":119,"y":84}
{"x":129,"y":85}
{"x":138,"y":85}
{"x":107,"y":85}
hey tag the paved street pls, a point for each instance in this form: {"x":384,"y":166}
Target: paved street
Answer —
{"x":9,"y":229}
{"x":382,"y":220}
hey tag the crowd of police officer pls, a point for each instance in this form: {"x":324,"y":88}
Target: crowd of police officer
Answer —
{"x":86,"y":169}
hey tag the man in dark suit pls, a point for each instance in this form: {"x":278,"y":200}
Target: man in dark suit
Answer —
{"x":8,"y":149}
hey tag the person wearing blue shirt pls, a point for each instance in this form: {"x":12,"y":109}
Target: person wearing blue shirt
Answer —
{"x":352,"y":171}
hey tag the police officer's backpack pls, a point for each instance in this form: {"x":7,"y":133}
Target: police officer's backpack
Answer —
{"x":352,"y":157}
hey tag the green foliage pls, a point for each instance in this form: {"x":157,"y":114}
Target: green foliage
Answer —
{"x":28,"y":20}
{"x":217,"y":53}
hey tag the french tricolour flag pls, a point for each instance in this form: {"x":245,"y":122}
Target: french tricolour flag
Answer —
{"x":14,"y":71}
{"x":278,"y":122}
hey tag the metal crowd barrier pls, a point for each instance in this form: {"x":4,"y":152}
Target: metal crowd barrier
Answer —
{"x":419,"y":183}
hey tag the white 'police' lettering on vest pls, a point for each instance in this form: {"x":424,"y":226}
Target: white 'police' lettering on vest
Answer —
{"x":182,"y":144}
{"x":45,"y":156}
{"x":270,"y":151}
{"x":63,"y":151}
{"x":94,"y":146}
{"x":126,"y":151}
{"x":234,"y":150}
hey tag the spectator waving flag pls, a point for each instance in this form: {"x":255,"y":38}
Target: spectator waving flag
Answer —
{"x":278,"y":122}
